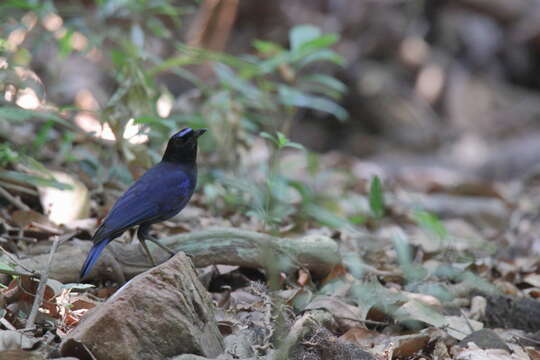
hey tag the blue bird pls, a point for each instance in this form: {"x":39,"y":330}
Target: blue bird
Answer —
{"x":161,"y":193}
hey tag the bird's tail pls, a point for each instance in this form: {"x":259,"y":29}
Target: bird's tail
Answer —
{"x":92,"y":258}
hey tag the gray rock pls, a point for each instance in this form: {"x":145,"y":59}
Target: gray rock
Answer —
{"x":161,"y":313}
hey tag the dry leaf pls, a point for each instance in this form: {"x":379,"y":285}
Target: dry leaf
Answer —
{"x":14,"y":340}
{"x":459,"y":327}
{"x":365,"y":338}
{"x":410,"y":345}
{"x":25,"y":218}
{"x":532,"y":279}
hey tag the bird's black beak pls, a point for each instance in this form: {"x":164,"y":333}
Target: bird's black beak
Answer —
{"x":200,"y":132}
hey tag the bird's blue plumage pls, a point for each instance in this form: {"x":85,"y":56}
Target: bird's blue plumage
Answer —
{"x":162,"y":192}
{"x":92,"y":257}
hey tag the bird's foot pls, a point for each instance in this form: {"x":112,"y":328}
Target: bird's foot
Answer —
{"x":147,"y":252}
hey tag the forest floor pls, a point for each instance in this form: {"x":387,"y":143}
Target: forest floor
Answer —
{"x":402,"y":284}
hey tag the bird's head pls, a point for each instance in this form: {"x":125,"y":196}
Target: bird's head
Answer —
{"x":182,"y":146}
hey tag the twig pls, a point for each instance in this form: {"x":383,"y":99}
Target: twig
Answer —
{"x":7,"y":324}
{"x":21,"y":238}
{"x":49,"y":229}
{"x":12,"y":199}
{"x":43,"y":283}
{"x":364,"y":321}
{"x":467,"y":320}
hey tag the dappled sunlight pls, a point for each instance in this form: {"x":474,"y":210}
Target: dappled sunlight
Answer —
{"x":27,"y":99}
{"x":414,"y":51}
{"x":79,"y":41}
{"x":15,"y":38}
{"x":132,"y":132}
{"x":430,"y":82}
{"x":29,"y":20}
{"x":164,"y":105}
{"x":85,"y":100}
{"x":52,"y":22}
{"x":90,"y":123}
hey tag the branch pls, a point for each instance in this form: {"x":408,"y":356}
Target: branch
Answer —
{"x":226,"y":246}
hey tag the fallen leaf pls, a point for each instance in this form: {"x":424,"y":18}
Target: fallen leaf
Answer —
{"x":459,"y":327}
{"x":532,"y":279}
{"x":415,"y":310}
{"x":409,"y":345}
{"x":346,"y":315}
{"x":24,"y":218}
{"x":362,"y":337}
{"x":14,"y":340}
{"x":533,"y":353}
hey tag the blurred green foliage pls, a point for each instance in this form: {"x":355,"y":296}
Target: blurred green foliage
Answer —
{"x":252,"y":96}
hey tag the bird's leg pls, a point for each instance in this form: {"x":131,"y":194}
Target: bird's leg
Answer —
{"x":142,"y":234}
{"x":163,"y":247}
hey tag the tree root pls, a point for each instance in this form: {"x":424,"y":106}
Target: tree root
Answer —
{"x":227,"y":246}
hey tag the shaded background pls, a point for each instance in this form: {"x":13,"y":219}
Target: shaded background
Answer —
{"x":448,"y":82}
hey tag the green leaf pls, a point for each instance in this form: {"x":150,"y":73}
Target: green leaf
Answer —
{"x":268,"y":136}
{"x":33,"y":179}
{"x":6,"y":267}
{"x":282,"y":139}
{"x":229,"y":78}
{"x":321,"y":55}
{"x":158,"y":28}
{"x":325,"y":216}
{"x":294,"y":145}
{"x":302,"y":34}
{"x":430,"y":223}
{"x":326,"y":81}
{"x":293,"y":97}
{"x":16,"y":114}
{"x":357,"y":219}
{"x":415,"y":310}
{"x":7,"y":155}
{"x":376,"y":198}
{"x":119,"y":58}
{"x":21,"y":4}
{"x":320,"y":42}
{"x":77,"y":286}
{"x":64,"y":43}
{"x":267,"y":47}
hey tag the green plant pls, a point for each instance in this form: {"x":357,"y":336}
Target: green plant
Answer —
{"x":252,"y":96}
{"x":266,"y":91}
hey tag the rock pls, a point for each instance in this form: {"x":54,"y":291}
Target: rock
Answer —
{"x":21,"y":355}
{"x":160,"y":313}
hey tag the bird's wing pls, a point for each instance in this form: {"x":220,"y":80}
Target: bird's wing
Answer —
{"x":160,"y":193}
